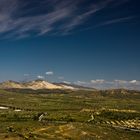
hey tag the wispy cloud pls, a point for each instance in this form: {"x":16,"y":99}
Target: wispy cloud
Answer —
{"x":16,"y":25}
{"x":49,"y":73}
{"x":114,"y":21}
{"x":20,"y":19}
{"x":110,"y":22}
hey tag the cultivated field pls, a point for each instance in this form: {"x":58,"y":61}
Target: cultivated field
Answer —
{"x":69,"y":115}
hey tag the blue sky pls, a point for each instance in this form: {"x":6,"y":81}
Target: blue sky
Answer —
{"x":75,"y":40}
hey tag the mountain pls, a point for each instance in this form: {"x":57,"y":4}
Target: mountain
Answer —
{"x":36,"y":84}
{"x":10,"y":84}
{"x":39,"y":84}
{"x":74,"y":86}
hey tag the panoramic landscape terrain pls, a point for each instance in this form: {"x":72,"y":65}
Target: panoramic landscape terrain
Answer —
{"x":67,"y":113}
{"x":69,"y":69}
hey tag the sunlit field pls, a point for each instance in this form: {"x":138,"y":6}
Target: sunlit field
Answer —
{"x":70,"y":115}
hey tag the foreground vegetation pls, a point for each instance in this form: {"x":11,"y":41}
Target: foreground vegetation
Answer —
{"x":71,"y":115}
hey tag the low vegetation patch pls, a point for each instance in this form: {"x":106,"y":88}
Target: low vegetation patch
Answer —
{"x":71,"y":115}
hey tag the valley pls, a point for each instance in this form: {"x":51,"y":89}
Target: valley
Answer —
{"x":68,"y":114}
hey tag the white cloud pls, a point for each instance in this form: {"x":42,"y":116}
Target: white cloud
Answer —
{"x":49,"y":73}
{"x":80,"y":82}
{"x":98,"y":81}
{"x":66,"y":82}
{"x":121,"y":81}
{"x":104,"y":84}
{"x":133,"y":81}
{"x":40,"y":77}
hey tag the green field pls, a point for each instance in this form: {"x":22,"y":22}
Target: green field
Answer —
{"x":71,"y":115}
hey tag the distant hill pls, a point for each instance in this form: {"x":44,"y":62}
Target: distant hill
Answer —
{"x":40,"y":84}
{"x":10,"y":84}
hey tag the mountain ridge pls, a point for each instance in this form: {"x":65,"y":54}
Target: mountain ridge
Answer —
{"x":40,"y":84}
